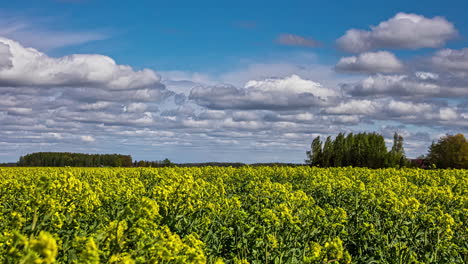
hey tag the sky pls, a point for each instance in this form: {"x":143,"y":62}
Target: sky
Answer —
{"x":237,"y":81}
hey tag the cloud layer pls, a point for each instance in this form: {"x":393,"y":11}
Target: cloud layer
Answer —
{"x":261,"y":111}
{"x":286,"y":93}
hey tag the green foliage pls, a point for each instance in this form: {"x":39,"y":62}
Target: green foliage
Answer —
{"x":451,"y":151}
{"x":233,"y":215}
{"x":357,"y":150}
{"x":315,"y":155}
{"x":154,"y":164}
{"x":396,"y":156}
{"x":61,"y":159}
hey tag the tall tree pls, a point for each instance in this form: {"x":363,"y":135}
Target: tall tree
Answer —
{"x":358,"y":150}
{"x":376,"y":151}
{"x":396,"y":156}
{"x":327,"y":155}
{"x":349,"y":142}
{"x":451,"y":151}
{"x":339,"y":150}
{"x":315,"y":154}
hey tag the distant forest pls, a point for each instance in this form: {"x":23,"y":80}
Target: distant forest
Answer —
{"x":356,"y":150}
{"x":60,"y":159}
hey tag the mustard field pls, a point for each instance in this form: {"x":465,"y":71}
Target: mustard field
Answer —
{"x":233,"y":215}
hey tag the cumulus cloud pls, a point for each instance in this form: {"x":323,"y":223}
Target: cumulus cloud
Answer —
{"x":30,"y":67}
{"x":403,"y":31}
{"x":408,"y":112}
{"x":296,"y":40}
{"x":397,"y":85}
{"x":451,"y":60}
{"x":370,"y":62}
{"x":301,"y":64}
{"x":447,"y":113}
{"x":5,"y":56}
{"x":401,"y":108}
{"x":286,"y":93}
{"x":353,"y":107}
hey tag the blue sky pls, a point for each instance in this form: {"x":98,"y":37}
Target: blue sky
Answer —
{"x":250,"y":81}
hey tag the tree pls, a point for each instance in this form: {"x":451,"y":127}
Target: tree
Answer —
{"x":166,"y":163}
{"x":451,"y":151}
{"x":349,"y":142}
{"x":376,"y":154}
{"x":327,"y":156}
{"x":358,"y":150}
{"x":314,"y":156}
{"x":339,"y":150}
{"x":396,"y":156}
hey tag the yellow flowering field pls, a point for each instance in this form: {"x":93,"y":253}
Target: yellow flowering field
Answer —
{"x":233,"y":215}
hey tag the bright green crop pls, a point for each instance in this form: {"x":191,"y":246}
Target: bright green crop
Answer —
{"x":228,"y":215}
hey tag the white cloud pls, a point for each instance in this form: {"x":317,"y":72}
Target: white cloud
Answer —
{"x":370,"y":62}
{"x":399,"y":85}
{"x":451,"y":60}
{"x":99,"y":105}
{"x":5,"y":56}
{"x":33,"y":68}
{"x":302,"y":64}
{"x":407,"y":112}
{"x":20,"y":111}
{"x":448,"y":114}
{"x":354,"y":107}
{"x":87,"y":139}
{"x":401,"y":108}
{"x":427,"y":75}
{"x":290,"y":85}
{"x":348,"y":119}
{"x":291,"y":92}
{"x":403,"y":31}
{"x":136,"y":107}
{"x":136,"y":95}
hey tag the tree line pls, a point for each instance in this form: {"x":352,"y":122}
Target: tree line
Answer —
{"x":357,"y":150}
{"x":60,"y":159}
{"x":369,"y":150}
{"x":153,"y":164}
